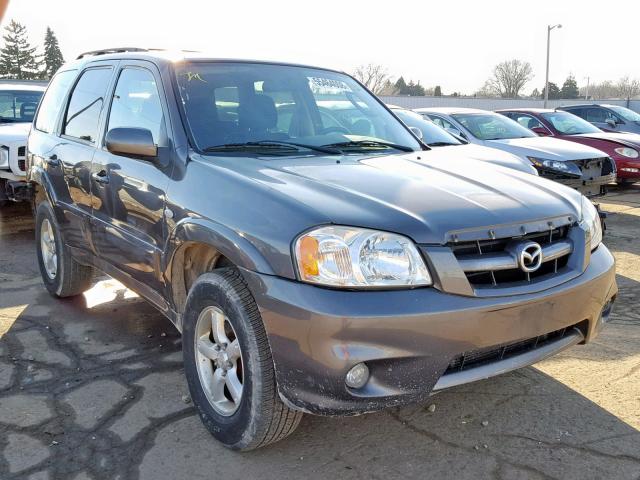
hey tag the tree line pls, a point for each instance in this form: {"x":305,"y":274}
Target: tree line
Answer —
{"x":19,"y":60}
{"x":508,"y":80}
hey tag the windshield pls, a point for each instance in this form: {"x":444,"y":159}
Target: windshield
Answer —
{"x":569,"y":124}
{"x":18,"y":105}
{"x":432,"y":134}
{"x":625,"y":113}
{"x":236,"y":105}
{"x":492,"y":126}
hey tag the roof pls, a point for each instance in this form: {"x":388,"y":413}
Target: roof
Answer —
{"x":589,"y":105}
{"x":527,"y":110}
{"x":22,"y":87}
{"x":169,"y":56}
{"x":450,"y":110}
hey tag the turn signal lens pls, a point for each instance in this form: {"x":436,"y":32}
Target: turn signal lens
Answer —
{"x":309,"y":256}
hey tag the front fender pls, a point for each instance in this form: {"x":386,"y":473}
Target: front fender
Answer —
{"x":240,"y":251}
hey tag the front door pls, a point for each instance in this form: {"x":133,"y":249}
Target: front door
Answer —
{"x":129,"y":193}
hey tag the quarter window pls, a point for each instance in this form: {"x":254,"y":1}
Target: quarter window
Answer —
{"x":136,"y":102}
{"x":86,"y":103}
{"x":52,"y":101}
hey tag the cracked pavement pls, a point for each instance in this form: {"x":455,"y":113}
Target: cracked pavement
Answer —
{"x":93,"y":388}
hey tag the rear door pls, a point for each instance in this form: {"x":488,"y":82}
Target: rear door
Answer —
{"x":129,"y":193}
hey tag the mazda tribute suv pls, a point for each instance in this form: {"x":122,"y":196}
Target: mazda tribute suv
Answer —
{"x":327,"y":268}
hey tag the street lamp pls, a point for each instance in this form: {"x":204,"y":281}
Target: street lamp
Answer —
{"x":546,"y":81}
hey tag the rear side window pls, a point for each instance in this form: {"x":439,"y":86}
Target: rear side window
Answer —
{"x":86,"y":103}
{"x":52,"y":101}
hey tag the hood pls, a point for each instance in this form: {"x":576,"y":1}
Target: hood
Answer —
{"x":547,"y":148}
{"x":411,"y":194}
{"x":484,"y":154}
{"x":628,"y":139}
{"x":14,"y":132}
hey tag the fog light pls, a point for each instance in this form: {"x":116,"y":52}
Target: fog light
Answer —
{"x":630,"y":169}
{"x":357,"y":376}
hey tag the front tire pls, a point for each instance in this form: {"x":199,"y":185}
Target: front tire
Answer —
{"x":228,"y":364}
{"x":61,"y":274}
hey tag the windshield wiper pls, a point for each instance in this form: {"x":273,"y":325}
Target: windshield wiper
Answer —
{"x":442,"y":144}
{"x":369,"y":144}
{"x":269,"y":144}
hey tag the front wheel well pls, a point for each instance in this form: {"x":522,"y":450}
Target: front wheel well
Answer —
{"x":191,"y":260}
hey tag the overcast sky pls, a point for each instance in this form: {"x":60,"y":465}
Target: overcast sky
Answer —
{"x":451,"y":43}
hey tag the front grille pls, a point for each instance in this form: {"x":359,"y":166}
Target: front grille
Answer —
{"x":22,"y":151}
{"x":483,"y":356}
{"x":503,"y":277}
{"x":22,"y":164}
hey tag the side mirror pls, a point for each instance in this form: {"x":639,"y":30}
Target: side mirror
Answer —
{"x":417,"y":132}
{"x":540,"y":131}
{"x":129,"y":141}
{"x":611,"y":122}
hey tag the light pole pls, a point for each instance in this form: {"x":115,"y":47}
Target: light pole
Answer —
{"x":546,"y":81}
{"x":586,"y":93}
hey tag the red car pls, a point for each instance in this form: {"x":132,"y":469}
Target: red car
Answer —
{"x":624,"y":148}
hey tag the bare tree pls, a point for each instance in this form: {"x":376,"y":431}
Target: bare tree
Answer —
{"x":375,"y":77}
{"x":628,"y":87}
{"x":509,"y":78}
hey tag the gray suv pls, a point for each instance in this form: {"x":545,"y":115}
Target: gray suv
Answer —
{"x":316,"y":259}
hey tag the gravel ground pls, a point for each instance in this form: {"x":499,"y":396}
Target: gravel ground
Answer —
{"x":93,"y":388}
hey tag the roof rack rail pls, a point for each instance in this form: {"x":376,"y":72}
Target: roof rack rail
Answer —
{"x":106,"y":51}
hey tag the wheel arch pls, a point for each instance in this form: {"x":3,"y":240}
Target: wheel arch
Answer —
{"x":197,"y":246}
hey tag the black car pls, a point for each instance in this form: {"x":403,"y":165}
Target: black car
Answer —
{"x":610,"y":118}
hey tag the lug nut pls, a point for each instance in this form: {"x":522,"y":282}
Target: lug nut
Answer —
{"x":358,"y":376}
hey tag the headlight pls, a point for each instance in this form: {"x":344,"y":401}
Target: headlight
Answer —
{"x":591,"y":221}
{"x":359,"y":258}
{"x":627,"y":152}
{"x":566,"y":168}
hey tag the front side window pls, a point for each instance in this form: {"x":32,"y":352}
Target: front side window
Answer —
{"x":18,"y":105}
{"x":568,"y":124}
{"x":492,"y":126}
{"x":228,"y":104}
{"x":52,"y":101}
{"x":85,"y":105}
{"x":599,"y":115}
{"x":136,"y":102}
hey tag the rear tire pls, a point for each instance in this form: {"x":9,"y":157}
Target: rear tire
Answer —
{"x":61,"y":274}
{"x":237,"y":349}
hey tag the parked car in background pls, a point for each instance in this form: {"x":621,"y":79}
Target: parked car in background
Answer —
{"x":18,"y":104}
{"x":610,"y":118}
{"x":581,"y":167}
{"x":624,"y":148}
{"x":445,"y":145}
{"x":317,"y":271}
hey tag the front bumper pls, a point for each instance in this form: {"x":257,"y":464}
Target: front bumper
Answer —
{"x":408,"y":337}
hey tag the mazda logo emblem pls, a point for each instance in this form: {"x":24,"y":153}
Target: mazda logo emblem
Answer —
{"x":529,"y":256}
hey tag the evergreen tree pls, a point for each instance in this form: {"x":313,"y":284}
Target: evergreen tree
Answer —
{"x":554,"y":91}
{"x":569,"y":88}
{"x":53,"y":58}
{"x":437,"y":92}
{"x":401,"y":86}
{"x":18,"y":59}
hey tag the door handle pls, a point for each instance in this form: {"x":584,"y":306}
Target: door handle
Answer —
{"x":53,"y":161}
{"x":100,"y":177}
